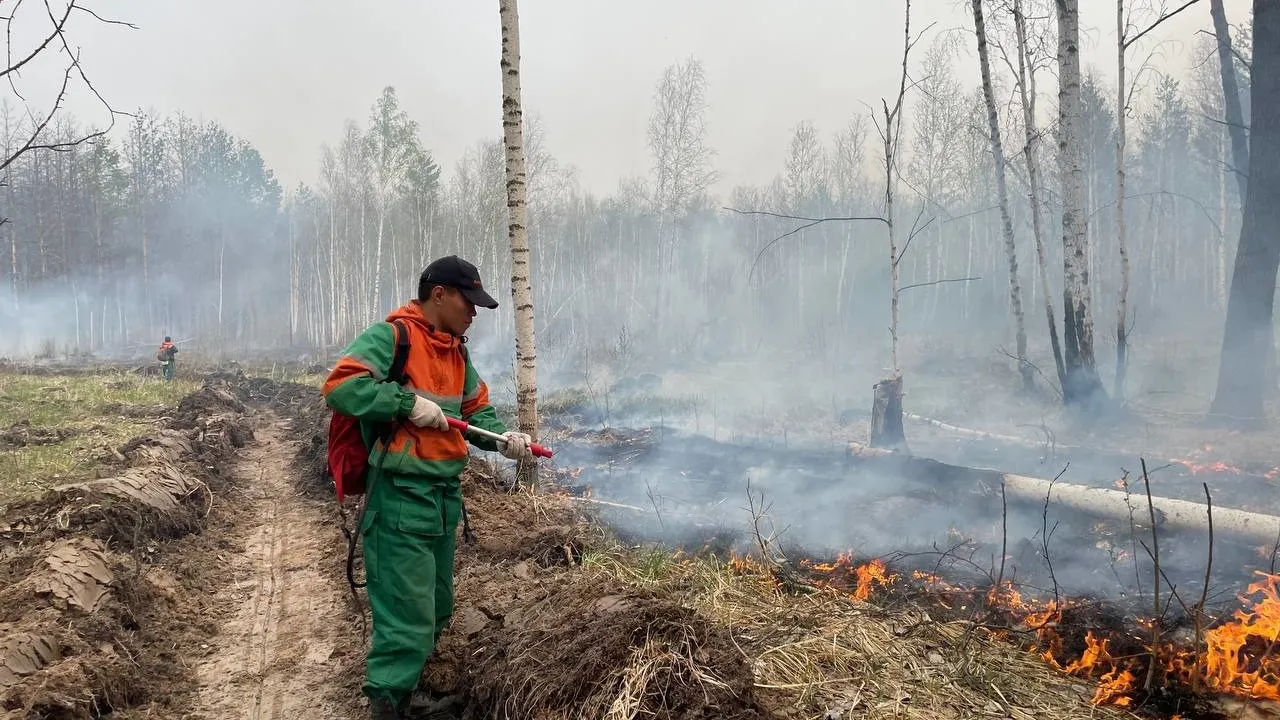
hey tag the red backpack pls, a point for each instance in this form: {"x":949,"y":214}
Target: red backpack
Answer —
{"x":348,"y":454}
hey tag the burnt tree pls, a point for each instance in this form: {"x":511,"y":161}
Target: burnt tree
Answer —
{"x":886,"y":408}
{"x":1247,"y":337}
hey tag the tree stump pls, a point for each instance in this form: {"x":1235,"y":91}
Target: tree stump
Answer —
{"x":886,"y":416}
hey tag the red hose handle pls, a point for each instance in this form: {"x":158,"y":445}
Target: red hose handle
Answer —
{"x":534,"y":448}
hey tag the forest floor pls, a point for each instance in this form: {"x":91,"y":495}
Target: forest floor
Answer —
{"x":196,"y":570}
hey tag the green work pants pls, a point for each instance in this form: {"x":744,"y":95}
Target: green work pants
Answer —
{"x":409,"y":537}
{"x":168,"y":370}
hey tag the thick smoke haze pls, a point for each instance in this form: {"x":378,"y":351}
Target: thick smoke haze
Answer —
{"x":293,"y":167}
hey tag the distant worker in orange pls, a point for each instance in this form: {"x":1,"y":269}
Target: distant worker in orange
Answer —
{"x":167,"y":355}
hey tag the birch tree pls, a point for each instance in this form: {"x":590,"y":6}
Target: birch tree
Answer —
{"x":1027,"y":64}
{"x":521,"y":291}
{"x":886,"y":409}
{"x":1083,"y":385}
{"x":1123,"y":41}
{"x":848,"y":187}
{"x":682,"y":160}
{"x":394,"y":149}
{"x":1002,"y":197}
{"x":1122,"y":302}
{"x":682,"y":157}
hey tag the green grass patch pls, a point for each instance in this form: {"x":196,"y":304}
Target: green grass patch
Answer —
{"x":99,"y":412}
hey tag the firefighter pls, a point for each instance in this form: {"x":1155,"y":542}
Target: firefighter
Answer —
{"x":414,"y":500}
{"x":167,"y":354}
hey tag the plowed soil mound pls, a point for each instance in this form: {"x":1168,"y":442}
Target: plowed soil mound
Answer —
{"x":23,"y":433}
{"x":537,"y":636}
{"x":87,"y":620}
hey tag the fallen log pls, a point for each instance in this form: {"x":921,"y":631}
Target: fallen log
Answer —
{"x":984,"y":435}
{"x":1103,"y":502}
{"x":594,"y":501}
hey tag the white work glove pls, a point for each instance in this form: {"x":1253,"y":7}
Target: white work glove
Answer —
{"x":427,"y":414}
{"x":516,"y":446}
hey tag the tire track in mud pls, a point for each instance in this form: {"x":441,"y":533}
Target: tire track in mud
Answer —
{"x":285,"y":628}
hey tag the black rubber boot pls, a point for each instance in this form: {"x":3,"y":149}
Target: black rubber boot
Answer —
{"x":434,"y":706}
{"x":382,"y":709}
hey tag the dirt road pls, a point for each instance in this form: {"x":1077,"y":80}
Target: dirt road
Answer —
{"x":287,"y":626}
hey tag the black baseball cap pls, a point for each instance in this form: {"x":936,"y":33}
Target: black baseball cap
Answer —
{"x":454,"y":272}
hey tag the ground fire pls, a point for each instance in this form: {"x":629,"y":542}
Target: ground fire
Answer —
{"x":1237,"y":656}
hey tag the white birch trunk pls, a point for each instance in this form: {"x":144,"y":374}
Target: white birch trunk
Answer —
{"x":1002,"y":194}
{"x":1122,"y":304}
{"x":1083,"y":384}
{"x":1027,"y":92}
{"x":521,"y":291}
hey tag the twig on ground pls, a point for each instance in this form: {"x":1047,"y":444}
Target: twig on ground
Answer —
{"x":1004,"y":534}
{"x":1275,"y":550}
{"x":766,"y":542}
{"x":1198,"y":618}
{"x":1155,"y":585}
{"x":648,"y":489}
{"x":1046,"y":533}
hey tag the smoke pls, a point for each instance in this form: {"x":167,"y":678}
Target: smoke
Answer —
{"x":810,"y":501}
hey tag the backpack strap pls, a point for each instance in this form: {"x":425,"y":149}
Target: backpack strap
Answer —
{"x":401,"y":356}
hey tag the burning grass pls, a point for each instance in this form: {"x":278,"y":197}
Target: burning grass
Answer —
{"x":1194,"y":672}
{"x":825,"y":652}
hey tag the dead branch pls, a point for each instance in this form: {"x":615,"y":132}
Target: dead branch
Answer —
{"x":1004,"y":533}
{"x":905,"y":288}
{"x":1155,"y":585}
{"x":765,"y":542}
{"x":1198,"y":617}
{"x":1275,"y":550}
{"x":809,"y":222}
{"x":916,"y":229}
{"x":57,"y":29}
{"x":653,"y":500}
{"x":1033,"y":366}
{"x":1046,"y":533}
{"x":1158,"y":22}
{"x":73,"y":68}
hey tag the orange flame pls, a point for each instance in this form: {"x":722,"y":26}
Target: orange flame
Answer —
{"x":1240,"y":657}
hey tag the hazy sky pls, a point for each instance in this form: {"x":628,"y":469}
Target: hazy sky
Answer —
{"x":286,"y":74}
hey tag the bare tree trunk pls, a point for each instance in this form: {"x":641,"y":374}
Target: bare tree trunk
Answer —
{"x":1122,"y":303}
{"x":894,"y":277}
{"x":886,"y":409}
{"x":1027,"y":89}
{"x":377,"y":253}
{"x":518,"y":230}
{"x":222,"y":257}
{"x":1002,"y":191}
{"x":1247,"y":341}
{"x":1231,"y":96}
{"x":1083,"y":384}
{"x":13,"y":265}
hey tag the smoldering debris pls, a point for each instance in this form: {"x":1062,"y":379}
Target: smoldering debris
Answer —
{"x":692,"y":491}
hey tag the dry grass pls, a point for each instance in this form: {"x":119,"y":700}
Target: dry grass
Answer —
{"x":98,"y":413}
{"x":827,"y":656}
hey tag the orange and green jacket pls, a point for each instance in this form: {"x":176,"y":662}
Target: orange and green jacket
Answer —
{"x":437,"y":369}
